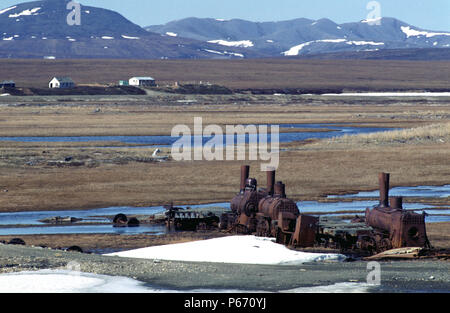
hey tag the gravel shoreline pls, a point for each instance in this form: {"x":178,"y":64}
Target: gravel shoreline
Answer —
{"x":398,"y":276}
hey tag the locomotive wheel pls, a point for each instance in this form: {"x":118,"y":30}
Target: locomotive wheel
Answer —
{"x":263,"y":230}
{"x":241,"y":229}
{"x":120,"y":219}
{"x":249,"y":209}
{"x":384,"y":245}
{"x":280,"y":236}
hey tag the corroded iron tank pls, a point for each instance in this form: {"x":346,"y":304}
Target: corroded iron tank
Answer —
{"x":393,"y":226}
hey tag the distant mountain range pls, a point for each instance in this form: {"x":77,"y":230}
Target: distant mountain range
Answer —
{"x":39,"y":29}
{"x":305,"y":37}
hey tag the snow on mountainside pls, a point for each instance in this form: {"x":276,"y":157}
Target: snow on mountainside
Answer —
{"x":306,"y":37}
{"x":40,"y":28}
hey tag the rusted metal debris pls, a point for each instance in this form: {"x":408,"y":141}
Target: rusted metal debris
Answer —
{"x":121,"y":220}
{"x":180,"y":219}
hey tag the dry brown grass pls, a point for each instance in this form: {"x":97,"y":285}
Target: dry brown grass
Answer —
{"x":307,"y":173}
{"x":439,"y":133}
{"x":260,"y":73}
{"x":146,"y":119}
{"x":438,"y":234}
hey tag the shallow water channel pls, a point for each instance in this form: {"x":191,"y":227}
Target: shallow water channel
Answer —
{"x":28,"y":223}
{"x":333,"y":130}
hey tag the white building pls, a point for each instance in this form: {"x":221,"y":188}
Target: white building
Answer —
{"x":61,"y":82}
{"x":142,"y":81}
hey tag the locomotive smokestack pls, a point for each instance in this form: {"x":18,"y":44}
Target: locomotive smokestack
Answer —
{"x":270,"y":181}
{"x":384,"y":189}
{"x":396,"y":202}
{"x":280,"y":189}
{"x":245,"y":173}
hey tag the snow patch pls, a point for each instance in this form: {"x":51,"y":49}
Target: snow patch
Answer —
{"x":240,"y":55}
{"x":296,"y":49}
{"x":62,"y":281}
{"x":129,"y":37}
{"x":171,"y":34}
{"x":25,"y":13}
{"x":372,"y":21}
{"x":415,"y":33}
{"x":241,"y":43}
{"x":232,"y":249}
{"x":7,"y":9}
{"x":65,"y":281}
{"x":364,"y":43}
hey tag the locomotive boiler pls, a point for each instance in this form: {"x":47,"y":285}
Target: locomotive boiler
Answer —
{"x":268,"y":212}
{"x":274,"y":205}
{"x":392,"y":226}
{"x":244,"y":205}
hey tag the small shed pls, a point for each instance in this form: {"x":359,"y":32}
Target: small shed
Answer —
{"x":142,"y":81}
{"x":61,"y":82}
{"x":7,"y":84}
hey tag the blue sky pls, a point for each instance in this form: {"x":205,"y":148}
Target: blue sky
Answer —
{"x":427,"y":14}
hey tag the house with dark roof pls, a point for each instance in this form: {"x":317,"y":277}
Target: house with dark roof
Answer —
{"x":142,"y":81}
{"x":61,"y":82}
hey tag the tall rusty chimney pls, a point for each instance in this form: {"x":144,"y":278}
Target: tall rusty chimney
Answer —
{"x":384,"y":189}
{"x":245,"y":173}
{"x":280,"y":189}
{"x":270,"y":181}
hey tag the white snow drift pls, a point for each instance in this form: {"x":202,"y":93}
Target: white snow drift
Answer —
{"x":7,"y":9}
{"x":25,"y":13}
{"x":233,"y":249}
{"x":65,"y":281}
{"x":239,"y":44}
{"x":415,"y":33}
{"x":296,"y":49}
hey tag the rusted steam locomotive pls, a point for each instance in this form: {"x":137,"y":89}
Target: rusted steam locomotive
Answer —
{"x":269,"y":213}
{"x":392,"y":227}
